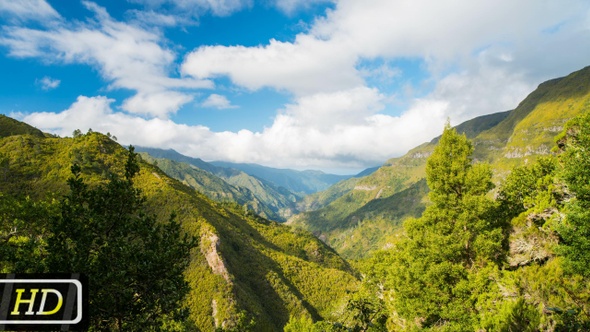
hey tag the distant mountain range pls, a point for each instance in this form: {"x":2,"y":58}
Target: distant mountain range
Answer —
{"x":299,"y":182}
{"x":272,"y":193}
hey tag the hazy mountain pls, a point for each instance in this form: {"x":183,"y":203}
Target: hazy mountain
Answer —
{"x":226,"y":184}
{"x":368,"y":204}
{"x":300,"y":182}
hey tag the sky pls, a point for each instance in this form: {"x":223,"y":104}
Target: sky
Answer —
{"x":335,"y":85}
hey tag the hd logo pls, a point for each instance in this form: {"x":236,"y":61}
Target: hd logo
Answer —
{"x":43,"y":302}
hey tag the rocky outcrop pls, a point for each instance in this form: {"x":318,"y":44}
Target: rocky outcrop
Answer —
{"x":210,"y":249}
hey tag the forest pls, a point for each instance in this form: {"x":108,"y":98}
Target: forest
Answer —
{"x":480,"y":258}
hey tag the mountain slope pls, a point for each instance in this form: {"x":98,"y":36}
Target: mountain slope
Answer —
{"x":268,"y":204}
{"x":9,"y":126}
{"x":261,"y":196}
{"x":503,"y":139}
{"x":300,"y":182}
{"x":246,"y":271}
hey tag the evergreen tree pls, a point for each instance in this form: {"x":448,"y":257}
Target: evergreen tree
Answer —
{"x":575,"y":231}
{"x":456,"y":235}
{"x":134,"y":263}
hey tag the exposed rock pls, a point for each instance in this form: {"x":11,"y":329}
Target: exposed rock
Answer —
{"x":209,"y":249}
{"x":365,"y":188}
{"x":520,"y":153}
{"x":421,"y":155}
{"x":531,"y":242}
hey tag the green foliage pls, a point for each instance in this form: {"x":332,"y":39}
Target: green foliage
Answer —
{"x":134,"y":263}
{"x":527,"y":186}
{"x":23,"y":233}
{"x":301,"y":324}
{"x":10,"y":127}
{"x":455,"y":236}
{"x":247,"y":273}
{"x":523,"y":317}
{"x":575,"y":231}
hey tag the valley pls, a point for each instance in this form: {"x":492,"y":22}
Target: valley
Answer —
{"x":484,"y":205}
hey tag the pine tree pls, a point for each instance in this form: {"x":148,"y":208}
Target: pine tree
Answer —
{"x":134,"y":263}
{"x":456,"y":235}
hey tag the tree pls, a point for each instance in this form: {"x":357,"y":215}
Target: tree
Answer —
{"x":23,"y":232}
{"x":134,"y":263}
{"x":574,"y":144}
{"x":457,"y":234}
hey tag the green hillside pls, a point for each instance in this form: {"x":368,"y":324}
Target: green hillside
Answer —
{"x":505,"y":140}
{"x":245,"y":273}
{"x":9,"y":127}
{"x":269,"y":203}
{"x":263,"y":197}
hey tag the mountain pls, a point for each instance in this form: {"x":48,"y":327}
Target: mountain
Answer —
{"x":299,"y":182}
{"x":226,"y":184}
{"x":10,"y":126}
{"x":245,"y":270}
{"x":507,"y":139}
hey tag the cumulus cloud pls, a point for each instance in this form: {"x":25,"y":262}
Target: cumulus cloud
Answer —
{"x":217,"y":101}
{"x":305,"y":66}
{"x":158,"y":104}
{"x":289,"y":142}
{"x":444,"y":34}
{"x":96,"y":113}
{"x":481,"y":57}
{"x":478,"y":58}
{"x":48,"y":83}
{"x":128,"y":56}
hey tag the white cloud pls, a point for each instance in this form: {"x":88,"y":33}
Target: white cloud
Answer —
{"x":197,"y":8}
{"x":289,"y":142}
{"x":217,"y":101}
{"x":28,"y":10}
{"x":291,"y":6}
{"x":158,"y":104}
{"x":96,"y":113}
{"x":480,"y":57}
{"x":443,"y":32}
{"x":324,"y":110}
{"x":127,"y":56}
{"x":306,"y":66}
{"x":48,"y":83}
{"x":152,"y":18}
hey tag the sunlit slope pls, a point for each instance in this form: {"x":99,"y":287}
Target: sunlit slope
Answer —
{"x":503,"y":139}
{"x":246,"y":271}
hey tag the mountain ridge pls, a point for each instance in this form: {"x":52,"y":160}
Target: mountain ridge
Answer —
{"x":246,"y":272}
{"x":504,"y":139}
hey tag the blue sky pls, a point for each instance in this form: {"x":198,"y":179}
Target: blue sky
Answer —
{"x":337,"y":85}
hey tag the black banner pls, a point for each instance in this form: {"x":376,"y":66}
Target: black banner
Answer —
{"x":43,"y":302}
